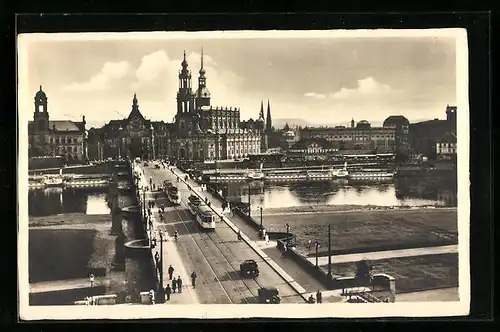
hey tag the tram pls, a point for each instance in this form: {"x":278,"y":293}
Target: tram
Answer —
{"x":173,"y":194}
{"x":204,"y":215}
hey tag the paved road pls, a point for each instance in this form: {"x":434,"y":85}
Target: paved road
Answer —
{"x":215,"y":256}
{"x":377,"y":255}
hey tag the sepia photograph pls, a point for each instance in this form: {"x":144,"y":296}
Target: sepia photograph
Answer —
{"x":243,"y":174}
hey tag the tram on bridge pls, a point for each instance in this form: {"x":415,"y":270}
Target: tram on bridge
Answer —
{"x":173,"y":194}
{"x":203,"y":214}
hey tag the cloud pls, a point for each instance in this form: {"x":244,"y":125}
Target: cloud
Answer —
{"x":314,"y":95}
{"x":366,"y":87}
{"x":157,"y":78}
{"x":109,"y":72}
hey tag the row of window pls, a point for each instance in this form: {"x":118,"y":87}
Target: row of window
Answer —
{"x":64,"y":149}
{"x":63,"y":140}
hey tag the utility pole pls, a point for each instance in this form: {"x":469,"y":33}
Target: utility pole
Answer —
{"x":317,"y":246}
{"x":249,"y":206}
{"x":161,"y":291}
{"x":261,"y":226}
{"x":329,"y":251}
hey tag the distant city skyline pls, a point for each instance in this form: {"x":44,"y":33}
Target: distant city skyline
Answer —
{"x":324,"y":81}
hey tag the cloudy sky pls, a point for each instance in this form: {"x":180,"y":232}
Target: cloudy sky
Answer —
{"x":321,"y":80}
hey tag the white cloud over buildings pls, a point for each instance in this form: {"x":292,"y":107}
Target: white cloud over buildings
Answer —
{"x":102,"y":80}
{"x":367,"y":87}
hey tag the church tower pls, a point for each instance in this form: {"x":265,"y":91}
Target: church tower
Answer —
{"x":41,"y":115}
{"x":185,"y":100}
{"x":269,"y":122}
{"x":202,"y":94}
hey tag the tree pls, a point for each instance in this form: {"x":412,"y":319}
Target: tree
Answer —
{"x":364,"y":272}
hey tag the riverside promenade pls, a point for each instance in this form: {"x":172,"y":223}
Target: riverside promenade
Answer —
{"x":214,"y":256}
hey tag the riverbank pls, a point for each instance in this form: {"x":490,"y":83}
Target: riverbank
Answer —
{"x":325,"y":208}
{"x":419,"y":273}
{"x":368,"y":230}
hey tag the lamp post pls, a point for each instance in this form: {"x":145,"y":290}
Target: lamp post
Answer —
{"x":261,"y":224}
{"x":161,"y":291}
{"x":120,"y":143}
{"x":249,"y":205}
{"x":287,"y":235}
{"x":329,"y":251}
{"x":152,"y":143}
{"x":144,"y":202}
{"x":316,"y":243}
{"x":91,"y":278}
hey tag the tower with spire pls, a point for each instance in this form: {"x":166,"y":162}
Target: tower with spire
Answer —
{"x":202,"y":94}
{"x":41,"y":114}
{"x":185,"y":100}
{"x":269,"y":121}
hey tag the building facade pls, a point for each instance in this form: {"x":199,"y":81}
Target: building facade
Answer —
{"x":425,"y":135}
{"x":133,"y":137}
{"x":200,"y":131}
{"x":64,"y":138}
{"x":359,"y":136}
{"x":206,"y":132}
{"x":446,"y":147}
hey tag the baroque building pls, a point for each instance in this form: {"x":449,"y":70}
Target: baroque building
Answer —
{"x":204,"y":132}
{"x":200,"y":131}
{"x":133,"y":137}
{"x":359,"y":136}
{"x":62,"y":138}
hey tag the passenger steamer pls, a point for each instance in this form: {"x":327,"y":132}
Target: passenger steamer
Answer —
{"x":173,"y":194}
{"x":203,"y":214}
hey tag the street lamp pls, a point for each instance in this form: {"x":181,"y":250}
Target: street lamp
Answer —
{"x":91,"y":278}
{"x":152,"y":143}
{"x":316,"y":243}
{"x":161,"y":291}
{"x":120,"y":143}
{"x":260,"y":208}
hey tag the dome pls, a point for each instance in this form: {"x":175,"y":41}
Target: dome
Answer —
{"x":396,"y":120}
{"x":40,"y":95}
{"x":203,"y":92}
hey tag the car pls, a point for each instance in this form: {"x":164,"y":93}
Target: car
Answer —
{"x":269,"y":295}
{"x":249,"y":268}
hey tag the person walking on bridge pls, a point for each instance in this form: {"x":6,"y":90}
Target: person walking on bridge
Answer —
{"x":179,"y":284}
{"x":170,"y":272}
{"x":319,"y":297}
{"x":193,"y":279}
{"x":174,"y":284}
{"x":168,"y":291}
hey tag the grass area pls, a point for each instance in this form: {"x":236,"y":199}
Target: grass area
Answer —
{"x":412,"y":273}
{"x":363,"y":231}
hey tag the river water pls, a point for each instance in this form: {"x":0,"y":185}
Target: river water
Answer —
{"x":416,"y":191}
{"x":138,"y":275}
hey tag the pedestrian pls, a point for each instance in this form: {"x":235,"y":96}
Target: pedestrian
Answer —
{"x":151,"y":297}
{"x":311,"y":299}
{"x":174,"y":284}
{"x":168,"y":291}
{"x":319,"y":297}
{"x":170,"y":272}
{"x":193,"y":279}
{"x":239,"y":235}
{"x":157,"y":257}
{"x":179,"y":284}
{"x":267,"y":238}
